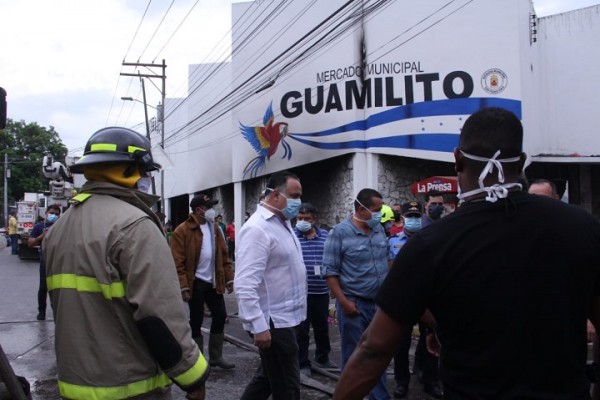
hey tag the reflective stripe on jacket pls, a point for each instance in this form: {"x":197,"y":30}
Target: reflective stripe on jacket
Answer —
{"x":110,"y":270}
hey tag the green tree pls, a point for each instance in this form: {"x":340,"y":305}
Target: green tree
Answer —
{"x":26,"y":145}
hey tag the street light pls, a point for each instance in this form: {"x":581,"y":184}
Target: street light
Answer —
{"x":147,"y":123}
{"x":139,"y":101}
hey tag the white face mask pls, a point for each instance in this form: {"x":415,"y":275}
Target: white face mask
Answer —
{"x":210,"y":215}
{"x":496,"y":191}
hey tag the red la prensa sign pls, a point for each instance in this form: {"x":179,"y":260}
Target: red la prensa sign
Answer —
{"x":443,"y":184}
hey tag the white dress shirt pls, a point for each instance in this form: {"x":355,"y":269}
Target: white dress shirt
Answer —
{"x":270,"y":277}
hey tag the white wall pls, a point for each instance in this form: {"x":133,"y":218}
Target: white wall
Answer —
{"x":569,"y":88}
{"x":552,"y":84}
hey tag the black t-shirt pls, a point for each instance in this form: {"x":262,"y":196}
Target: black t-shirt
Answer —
{"x":510,"y":284}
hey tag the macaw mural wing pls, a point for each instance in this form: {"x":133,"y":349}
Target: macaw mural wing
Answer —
{"x":256,"y":137}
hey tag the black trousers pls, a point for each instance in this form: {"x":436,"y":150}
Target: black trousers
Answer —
{"x":43,"y":289}
{"x":425,"y":361}
{"x":205,"y":293}
{"x":401,"y":369}
{"x":316,"y":315}
{"x":278,"y":373}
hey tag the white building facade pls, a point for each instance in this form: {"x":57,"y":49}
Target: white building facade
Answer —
{"x":373,"y":94}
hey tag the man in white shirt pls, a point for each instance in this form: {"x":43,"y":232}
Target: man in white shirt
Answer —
{"x":270,"y":287}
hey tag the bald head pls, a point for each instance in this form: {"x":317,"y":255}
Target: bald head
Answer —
{"x":543,"y":187}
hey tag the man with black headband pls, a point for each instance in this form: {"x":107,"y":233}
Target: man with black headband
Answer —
{"x":509,"y":296}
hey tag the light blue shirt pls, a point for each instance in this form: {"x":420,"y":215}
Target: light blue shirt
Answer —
{"x":396,"y":243}
{"x":359,"y":261}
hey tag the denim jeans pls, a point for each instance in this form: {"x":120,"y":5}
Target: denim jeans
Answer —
{"x":316,"y":315}
{"x":204,"y":292}
{"x":279,"y":372}
{"x":351,"y":329}
{"x":14,"y":243}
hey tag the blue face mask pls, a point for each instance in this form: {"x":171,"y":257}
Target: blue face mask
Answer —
{"x":303,"y":226}
{"x":375,"y":219}
{"x":412,"y":224}
{"x":292,"y":208}
{"x":52,"y":218}
{"x":375,"y":216}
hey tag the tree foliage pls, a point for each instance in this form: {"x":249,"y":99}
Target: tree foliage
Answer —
{"x":26,"y":145}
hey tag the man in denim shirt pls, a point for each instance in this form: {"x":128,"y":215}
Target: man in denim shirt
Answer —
{"x":355,"y":263}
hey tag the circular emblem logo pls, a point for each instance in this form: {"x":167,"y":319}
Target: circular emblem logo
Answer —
{"x":494,"y":81}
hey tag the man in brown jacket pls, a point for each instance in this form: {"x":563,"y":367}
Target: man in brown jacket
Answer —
{"x":204,"y":269}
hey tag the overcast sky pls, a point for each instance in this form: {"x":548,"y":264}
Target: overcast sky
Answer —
{"x":60,"y":60}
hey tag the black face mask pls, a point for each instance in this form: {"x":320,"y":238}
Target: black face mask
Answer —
{"x":435,"y":211}
{"x":397,"y":216}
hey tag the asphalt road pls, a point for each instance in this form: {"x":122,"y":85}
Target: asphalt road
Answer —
{"x":29,"y":344}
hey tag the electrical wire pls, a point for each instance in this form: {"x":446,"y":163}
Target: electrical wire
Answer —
{"x":352,"y":17}
{"x":176,"y":29}
{"x":242,"y":65}
{"x":402,"y":43}
{"x":156,"y":30}
{"x":254,"y":75}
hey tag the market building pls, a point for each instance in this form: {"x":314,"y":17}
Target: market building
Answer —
{"x":374,"y":93}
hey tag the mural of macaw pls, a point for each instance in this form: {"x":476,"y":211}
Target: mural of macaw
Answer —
{"x":265,"y":140}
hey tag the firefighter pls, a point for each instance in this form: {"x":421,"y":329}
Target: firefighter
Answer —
{"x":121,"y":331}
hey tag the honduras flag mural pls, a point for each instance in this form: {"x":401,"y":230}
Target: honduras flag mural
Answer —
{"x":431,"y":125}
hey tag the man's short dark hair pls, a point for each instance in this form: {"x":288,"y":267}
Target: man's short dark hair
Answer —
{"x":491,"y":129}
{"x":55,"y":207}
{"x":307,"y":208}
{"x":278,"y":180}
{"x":432,"y":193}
{"x":365,"y":197}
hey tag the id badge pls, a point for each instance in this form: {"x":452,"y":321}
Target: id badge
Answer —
{"x":317,"y":270}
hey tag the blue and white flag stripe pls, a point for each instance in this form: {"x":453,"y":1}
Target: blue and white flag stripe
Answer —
{"x":438,"y":141}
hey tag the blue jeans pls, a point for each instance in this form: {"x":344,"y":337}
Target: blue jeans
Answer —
{"x":351,"y":329}
{"x":14,"y":242}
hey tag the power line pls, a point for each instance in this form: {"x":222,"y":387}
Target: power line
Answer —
{"x":176,"y":29}
{"x":296,"y":43}
{"x":227,"y":137}
{"x":352,"y":17}
{"x":156,"y":30}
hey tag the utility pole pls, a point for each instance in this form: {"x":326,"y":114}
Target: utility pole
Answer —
{"x":161,"y":115}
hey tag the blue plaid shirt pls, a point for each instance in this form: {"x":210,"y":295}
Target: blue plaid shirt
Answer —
{"x":312,"y":252}
{"x":359,"y":261}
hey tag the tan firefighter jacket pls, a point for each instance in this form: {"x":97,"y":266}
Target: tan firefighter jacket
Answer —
{"x":121,"y":330}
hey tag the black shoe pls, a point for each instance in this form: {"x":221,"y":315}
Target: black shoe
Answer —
{"x":41,"y":316}
{"x":435,"y":391}
{"x":400,"y":392}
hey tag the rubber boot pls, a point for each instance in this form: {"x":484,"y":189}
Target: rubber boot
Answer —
{"x":215,"y":351}
{"x":200,"y":342}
